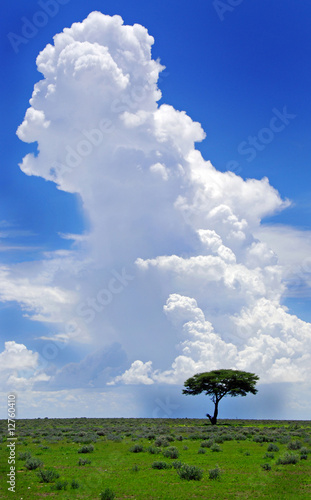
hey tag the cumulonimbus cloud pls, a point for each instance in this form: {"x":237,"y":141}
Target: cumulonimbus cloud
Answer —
{"x":157,"y":207}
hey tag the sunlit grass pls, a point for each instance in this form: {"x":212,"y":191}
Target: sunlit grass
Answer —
{"x":112,"y":465}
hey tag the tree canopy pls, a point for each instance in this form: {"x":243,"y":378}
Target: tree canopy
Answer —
{"x":220,"y":383}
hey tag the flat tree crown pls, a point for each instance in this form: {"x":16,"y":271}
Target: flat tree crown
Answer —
{"x":220,"y":383}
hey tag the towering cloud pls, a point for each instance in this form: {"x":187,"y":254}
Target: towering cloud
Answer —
{"x":170,"y":267}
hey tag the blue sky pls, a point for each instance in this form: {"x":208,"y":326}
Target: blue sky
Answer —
{"x":243,"y":73}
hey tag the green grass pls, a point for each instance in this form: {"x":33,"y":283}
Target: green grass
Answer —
{"x":114,"y":467}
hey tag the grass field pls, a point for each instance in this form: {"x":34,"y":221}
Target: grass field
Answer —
{"x":93,"y":457}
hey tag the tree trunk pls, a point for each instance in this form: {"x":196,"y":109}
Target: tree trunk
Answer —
{"x":213,"y":419}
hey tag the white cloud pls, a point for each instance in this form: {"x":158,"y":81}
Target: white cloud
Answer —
{"x":138,"y":373}
{"x":17,"y":357}
{"x":293,"y":248}
{"x":280,"y":352}
{"x":150,"y":199}
{"x":19,"y":367}
{"x":159,"y":169}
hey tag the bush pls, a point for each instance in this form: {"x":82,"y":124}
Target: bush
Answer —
{"x":161,"y":465}
{"x":153,"y":450}
{"x":266,"y":466}
{"x":171,"y":452}
{"x":259,"y":439}
{"x":269,"y":455}
{"x":107,"y":494}
{"x":240,"y":437}
{"x":177,"y":464}
{"x":273,"y":447}
{"x":214,"y":473}
{"x":86,"y":449}
{"x":33,"y":463}
{"x":190,"y":472}
{"x":303,"y":456}
{"x":24,"y":456}
{"x":162,"y":441}
{"x":201,"y":451}
{"x":228,"y":436}
{"x":61,"y":485}
{"x":135,"y":468}
{"x":215,"y":447}
{"x":74,"y":484}
{"x":84,"y":461}
{"x":47,"y":476}
{"x":137,"y":448}
{"x":116,"y":439}
{"x":288,"y":458}
{"x":294,"y":445}
{"x":207,"y":444}
{"x":284,"y":439}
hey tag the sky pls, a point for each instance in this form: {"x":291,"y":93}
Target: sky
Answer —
{"x":155,"y":206}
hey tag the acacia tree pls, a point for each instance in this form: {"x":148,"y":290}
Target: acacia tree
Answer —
{"x":220,"y":383}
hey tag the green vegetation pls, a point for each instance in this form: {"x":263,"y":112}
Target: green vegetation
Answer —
{"x":258,"y":459}
{"x":190,"y":472}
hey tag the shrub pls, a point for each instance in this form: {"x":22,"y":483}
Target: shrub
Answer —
{"x":218,"y":439}
{"x":161,"y":465}
{"x":266,"y":466}
{"x":153,"y":450}
{"x":190,"y":472}
{"x":227,"y":436}
{"x":207,"y":444}
{"x":135,"y":468}
{"x":288,"y":458}
{"x":303,"y":456}
{"x":177,"y":464}
{"x":240,"y":437}
{"x":74,"y":484}
{"x":47,"y":476}
{"x":269,"y":455}
{"x":33,"y":463}
{"x":215,"y":447}
{"x":24,"y":456}
{"x":137,"y":448}
{"x":162,"y":441}
{"x":284,"y":439}
{"x":201,"y":451}
{"x":214,"y":473}
{"x":169,"y":438}
{"x":84,"y":461}
{"x":86,"y":449}
{"x":273,"y":447}
{"x":171,"y":452}
{"x":61,"y":485}
{"x":185,"y":447}
{"x":107,"y":494}
{"x":259,"y":439}
{"x":294,"y":445}
{"x":116,"y":439}
{"x":150,"y":435}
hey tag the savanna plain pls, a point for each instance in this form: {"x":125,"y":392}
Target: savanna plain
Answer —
{"x":153,"y":459}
